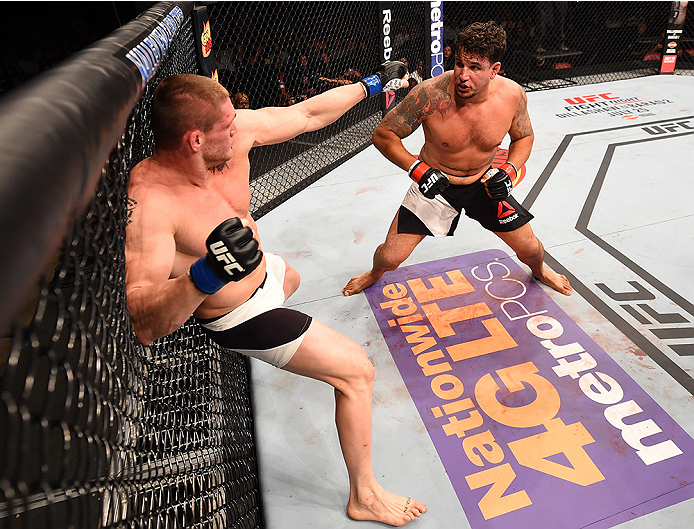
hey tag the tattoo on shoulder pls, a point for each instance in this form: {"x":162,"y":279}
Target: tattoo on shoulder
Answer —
{"x":423,"y":100}
{"x":523,"y":125}
{"x":130,"y":208}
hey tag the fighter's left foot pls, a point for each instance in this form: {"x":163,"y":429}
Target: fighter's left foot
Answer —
{"x":385,"y":507}
{"x":557,"y":281}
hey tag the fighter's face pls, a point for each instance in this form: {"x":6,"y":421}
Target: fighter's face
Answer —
{"x":472,"y":74}
{"x":217,"y":147}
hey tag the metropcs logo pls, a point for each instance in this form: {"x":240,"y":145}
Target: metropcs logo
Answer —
{"x":529,"y":416}
{"x":436,"y":45}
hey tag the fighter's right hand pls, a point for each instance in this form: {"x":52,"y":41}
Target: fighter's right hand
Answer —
{"x":388,"y":77}
{"x":497,"y":181}
{"x":232,"y":254}
{"x":431,"y":181}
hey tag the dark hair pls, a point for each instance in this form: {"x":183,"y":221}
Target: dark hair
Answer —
{"x":486,"y":39}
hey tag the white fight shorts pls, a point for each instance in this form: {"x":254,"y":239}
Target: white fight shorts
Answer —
{"x":261,"y":327}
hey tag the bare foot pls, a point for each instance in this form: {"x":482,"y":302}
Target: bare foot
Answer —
{"x":359,"y":283}
{"x":385,"y":507}
{"x":557,"y":281}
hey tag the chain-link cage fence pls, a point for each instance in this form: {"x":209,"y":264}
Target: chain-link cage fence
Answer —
{"x":97,"y":430}
{"x":559,"y":44}
{"x":280,"y":53}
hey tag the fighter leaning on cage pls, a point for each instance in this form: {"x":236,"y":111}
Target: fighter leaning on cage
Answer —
{"x":197,"y":178}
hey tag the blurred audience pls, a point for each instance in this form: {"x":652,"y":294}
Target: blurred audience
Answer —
{"x":274,"y":55}
{"x":36,"y":36}
{"x":241,"y":101}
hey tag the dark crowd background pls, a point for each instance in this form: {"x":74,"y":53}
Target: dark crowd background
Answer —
{"x":278,"y":53}
{"x":274,"y":53}
{"x":35,"y":36}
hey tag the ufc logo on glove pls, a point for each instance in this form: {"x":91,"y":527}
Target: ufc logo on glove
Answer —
{"x":222,"y":253}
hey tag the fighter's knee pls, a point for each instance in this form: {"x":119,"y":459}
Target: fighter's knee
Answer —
{"x":532,"y":250}
{"x":369,"y":373}
{"x":362,"y":373}
{"x":387,"y":259}
{"x":292,"y":280}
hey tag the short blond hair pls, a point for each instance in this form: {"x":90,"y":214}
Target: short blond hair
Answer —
{"x":183,"y":102}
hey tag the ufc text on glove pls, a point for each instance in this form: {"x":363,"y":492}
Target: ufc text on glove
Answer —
{"x":232,"y":254}
{"x":431,"y":181}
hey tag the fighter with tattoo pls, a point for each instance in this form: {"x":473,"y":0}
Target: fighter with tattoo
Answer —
{"x":465,"y":114}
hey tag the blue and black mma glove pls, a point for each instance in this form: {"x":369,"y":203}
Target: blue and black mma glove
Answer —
{"x":388,"y":78}
{"x":232,"y":254}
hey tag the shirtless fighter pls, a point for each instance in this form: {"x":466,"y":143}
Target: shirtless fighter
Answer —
{"x":465,"y":113}
{"x":192,"y":248}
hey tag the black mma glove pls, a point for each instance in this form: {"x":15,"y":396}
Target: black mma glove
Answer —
{"x":499,"y":184}
{"x":431,"y":181}
{"x":388,"y":77}
{"x":232,"y":254}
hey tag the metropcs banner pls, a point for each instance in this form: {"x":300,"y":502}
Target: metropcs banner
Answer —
{"x":434,"y":39}
{"x":533,"y":421}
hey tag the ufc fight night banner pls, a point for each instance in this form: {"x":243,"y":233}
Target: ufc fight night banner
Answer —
{"x":532,"y":420}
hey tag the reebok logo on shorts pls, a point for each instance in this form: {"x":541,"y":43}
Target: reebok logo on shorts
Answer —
{"x":506,"y":213}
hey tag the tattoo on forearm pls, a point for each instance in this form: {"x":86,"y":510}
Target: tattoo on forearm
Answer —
{"x":523,"y":125}
{"x":421,"y":102}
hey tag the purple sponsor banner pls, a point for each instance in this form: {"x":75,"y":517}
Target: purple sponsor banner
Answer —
{"x":532,"y":420}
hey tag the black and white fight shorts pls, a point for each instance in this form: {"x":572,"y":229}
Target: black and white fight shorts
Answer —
{"x":261,"y":327}
{"x":439,"y":216}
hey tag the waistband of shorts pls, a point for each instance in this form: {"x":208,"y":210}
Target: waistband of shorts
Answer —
{"x":460,"y":186}
{"x":457,"y":186}
{"x":204,"y":321}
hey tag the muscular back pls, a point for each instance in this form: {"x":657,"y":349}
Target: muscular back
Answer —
{"x":461,"y":138}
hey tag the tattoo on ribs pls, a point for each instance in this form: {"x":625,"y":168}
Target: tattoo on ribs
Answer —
{"x":129,"y":210}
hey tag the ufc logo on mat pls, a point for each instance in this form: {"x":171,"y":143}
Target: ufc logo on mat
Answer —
{"x":222,"y":254}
